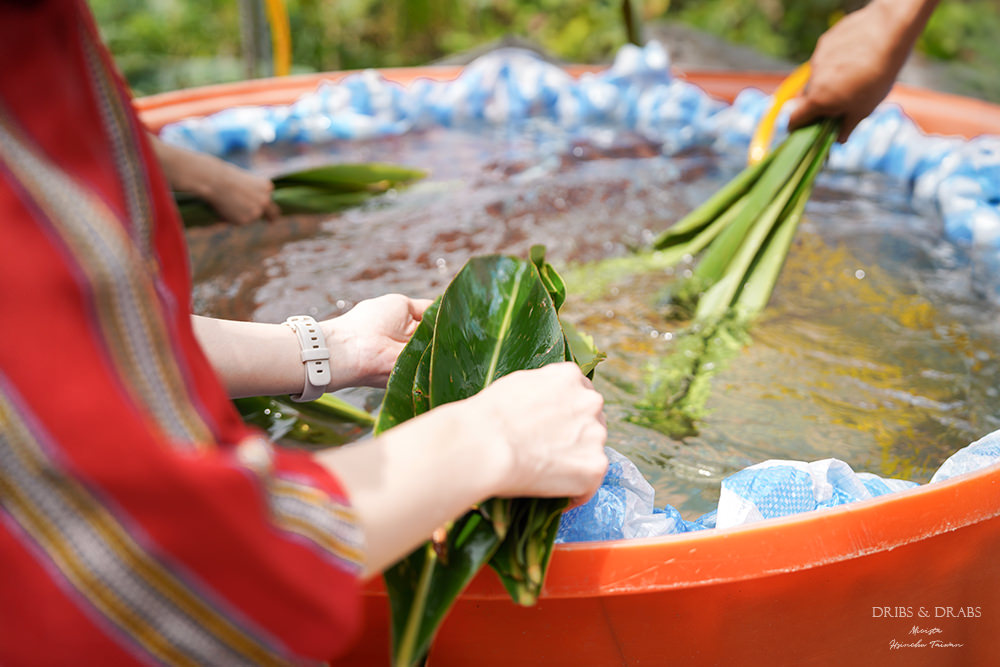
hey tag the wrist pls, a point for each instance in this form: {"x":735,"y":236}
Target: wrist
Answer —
{"x":201,"y":178}
{"x":343,"y":354}
{"x":314,"y":355}
{"x":186,"y":170}
{"x":492,"y":460}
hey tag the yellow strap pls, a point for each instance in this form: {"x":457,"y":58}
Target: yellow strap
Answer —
{"x":793,"y":84}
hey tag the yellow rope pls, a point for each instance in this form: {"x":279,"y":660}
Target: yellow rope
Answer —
{"x":281,"y":36}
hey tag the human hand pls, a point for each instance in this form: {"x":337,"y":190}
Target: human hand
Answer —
{"x":855,"y":62}
{"x":550,"y":428}
{"x":237,"y":195}
{"x":365,"y":342}
{"x":531,"y":433}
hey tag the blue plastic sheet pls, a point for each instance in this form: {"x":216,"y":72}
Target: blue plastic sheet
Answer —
{"x":624,"y":506}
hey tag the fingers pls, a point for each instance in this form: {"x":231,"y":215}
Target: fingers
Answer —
{"x":806,"y":111}
{"x":848,"y":125}
{"x":552,"y":420}
{"x":418,"y":306}
{"x":271,"y":211}
{"x":801,"y":112}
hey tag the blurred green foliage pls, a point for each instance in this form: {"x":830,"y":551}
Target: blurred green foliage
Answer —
{"x":964,"y":34}
{"x":967,"y":34}
{"x":167,"y":44}
{"x":783,"y":28}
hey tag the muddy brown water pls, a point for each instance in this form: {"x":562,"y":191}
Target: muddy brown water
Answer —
{"x":875,"y":348}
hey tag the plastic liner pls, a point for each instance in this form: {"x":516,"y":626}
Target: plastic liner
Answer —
{"x":623,"y":507}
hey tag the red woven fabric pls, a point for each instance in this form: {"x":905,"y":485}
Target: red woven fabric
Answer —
{"x":140,"y":520}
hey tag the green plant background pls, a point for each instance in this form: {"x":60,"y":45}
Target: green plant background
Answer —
{"x":168,"y":44}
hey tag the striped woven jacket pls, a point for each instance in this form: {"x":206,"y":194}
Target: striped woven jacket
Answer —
{"x":140,"y":520}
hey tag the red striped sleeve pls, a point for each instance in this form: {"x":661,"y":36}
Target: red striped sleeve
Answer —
{"x":134,"y":505}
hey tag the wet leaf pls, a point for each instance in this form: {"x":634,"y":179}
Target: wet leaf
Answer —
{"x":371,"y":176}
{"x":325,"y":189}
{"x":422,"y":590}
{"x":743,"y":233}
{"x":496,"y":317}
{"x":397,"y":404}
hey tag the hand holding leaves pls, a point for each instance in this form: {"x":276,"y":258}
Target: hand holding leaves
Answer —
{"x":497,"y":317}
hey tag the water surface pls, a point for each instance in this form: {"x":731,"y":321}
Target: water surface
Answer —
{"x":875,"y":348}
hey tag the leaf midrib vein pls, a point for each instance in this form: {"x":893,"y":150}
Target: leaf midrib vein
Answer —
{"x":504,"y":327}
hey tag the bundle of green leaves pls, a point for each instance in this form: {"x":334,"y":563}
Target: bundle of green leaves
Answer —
{"x":743,"y":232}
{"x":498,"y":315}
{"x":741,"y":237}
{"x":318,"y":190}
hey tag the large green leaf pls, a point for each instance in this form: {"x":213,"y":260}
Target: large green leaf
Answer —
{"x":496,"y":317}
{"x":397,"y":404}
{"x":420,"y":394}
{"x":524,"y":333}
{"x":422,"y":588}
{"x":351,"y":177}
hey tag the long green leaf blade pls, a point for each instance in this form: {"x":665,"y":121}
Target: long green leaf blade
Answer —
{"x":397,"y":405}
{"x":712,"y":266}
{"x":350,"y":177}
{"x":720,"y":296}
{"x":496,"y":317}
{"x":334,"y":407}
{"x":686,"y":227}
{"x":763,"y":274}
{"x":422,"y":589}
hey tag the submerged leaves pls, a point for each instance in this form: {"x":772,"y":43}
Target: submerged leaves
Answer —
{"x":679,"y":383}
{"x":325,"y":189}
{"x":743,"y":234}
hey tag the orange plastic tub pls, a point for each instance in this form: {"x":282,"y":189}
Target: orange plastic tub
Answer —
{"x":912,"y":578}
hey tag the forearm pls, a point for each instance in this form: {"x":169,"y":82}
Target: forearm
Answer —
{"x":912,"y":13}
{"x":857,"y":60}
{"x":181,"y":168}
{"x":256,"y":359}
{"x":904,"y":20}
{"x":236,"y":194}
{"x":253,"y":359}
{"x":416,"y":477}
{"x":536,"y":433}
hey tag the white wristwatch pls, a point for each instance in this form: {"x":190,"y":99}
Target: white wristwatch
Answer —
{"x":315,"y":356}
